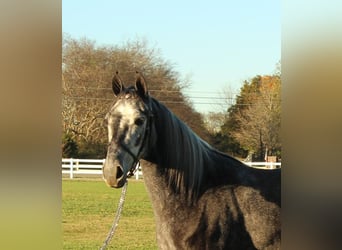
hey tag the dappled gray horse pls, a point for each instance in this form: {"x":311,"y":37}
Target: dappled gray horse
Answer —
{"x":202,"y":198}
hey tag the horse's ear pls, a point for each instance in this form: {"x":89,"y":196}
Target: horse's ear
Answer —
{"x":140,"y":85}
{"x":117,"y":84}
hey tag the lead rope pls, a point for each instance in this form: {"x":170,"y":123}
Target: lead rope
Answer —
{"x":117,"y":217}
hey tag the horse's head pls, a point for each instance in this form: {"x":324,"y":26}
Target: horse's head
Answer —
{"x":129,"y":125}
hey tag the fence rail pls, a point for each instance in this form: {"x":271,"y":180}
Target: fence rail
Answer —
{"x":80,"y":167}
{"x":264,"y":165}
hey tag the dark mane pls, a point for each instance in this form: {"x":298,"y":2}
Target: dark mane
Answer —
{"x":185,"y":158}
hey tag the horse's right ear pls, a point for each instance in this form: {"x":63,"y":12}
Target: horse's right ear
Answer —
{"x":117,"y":84}
{"x":140,"y":85}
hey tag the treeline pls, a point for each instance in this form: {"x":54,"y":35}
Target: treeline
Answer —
{"x":249,"y":128}
{"x":87,"y":95}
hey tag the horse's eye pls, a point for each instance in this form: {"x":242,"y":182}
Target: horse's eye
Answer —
{"x":139,"y":121}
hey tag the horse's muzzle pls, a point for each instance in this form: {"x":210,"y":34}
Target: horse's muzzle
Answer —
{"x":114,"y":176}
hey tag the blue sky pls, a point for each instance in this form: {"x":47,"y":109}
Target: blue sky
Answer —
{"x":218,"y":43}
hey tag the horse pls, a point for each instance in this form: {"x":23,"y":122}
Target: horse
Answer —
{"x":201,"y":198}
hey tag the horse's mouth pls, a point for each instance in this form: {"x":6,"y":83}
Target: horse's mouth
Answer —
{"x":119,"y":172}
{"x":120,"y":183}
{"x":120,"y":177}
{"x":115,"y":179}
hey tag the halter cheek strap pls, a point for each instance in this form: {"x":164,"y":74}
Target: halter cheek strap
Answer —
{"x":147,"y":134}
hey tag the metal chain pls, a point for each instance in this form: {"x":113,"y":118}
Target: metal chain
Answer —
{"x":117,"y":217}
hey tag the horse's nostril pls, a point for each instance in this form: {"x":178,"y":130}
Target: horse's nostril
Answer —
{"x":119,"y":172}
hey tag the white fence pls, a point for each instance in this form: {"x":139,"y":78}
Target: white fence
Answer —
{"x":264,"y":165}
{"x":85,"y":167}
{"x":74,"y":167}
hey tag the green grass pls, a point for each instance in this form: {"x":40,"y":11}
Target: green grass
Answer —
{"x":88,"y":210}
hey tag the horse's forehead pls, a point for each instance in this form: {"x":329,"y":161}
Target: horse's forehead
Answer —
{"x":128,"y":107}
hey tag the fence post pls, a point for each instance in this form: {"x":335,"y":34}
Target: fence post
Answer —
{"x":137,"y":171}
{"x":103,"y":162}
{"x":71,"y":169}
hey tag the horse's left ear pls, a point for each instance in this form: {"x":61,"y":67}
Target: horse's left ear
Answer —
{"x":140,"y":85}
{"x":117,"y":84}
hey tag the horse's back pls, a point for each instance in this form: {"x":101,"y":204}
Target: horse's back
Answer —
{"x":267,"y":182}
{"x":270,"y":186}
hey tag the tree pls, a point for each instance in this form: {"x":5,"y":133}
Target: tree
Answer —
{"x":254,"y":121}
{"x":213,"y":121}
{"x":69,"y":147}
{"x":87,"y":71}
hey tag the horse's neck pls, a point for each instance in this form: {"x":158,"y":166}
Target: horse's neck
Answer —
{"x":163,"y":196}
{"x":220,"y":170}
{"x":165,"y":205}
{"x":208,"y":167}
{"x":156,"y":184}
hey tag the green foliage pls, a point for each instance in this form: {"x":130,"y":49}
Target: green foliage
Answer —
{"x":88,"y":209}
{"x":69,"y":147}
{"x":227,"y":144}
{"x":92,"y":150}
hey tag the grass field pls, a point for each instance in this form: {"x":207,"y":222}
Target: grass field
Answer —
{"x":88,"y":209}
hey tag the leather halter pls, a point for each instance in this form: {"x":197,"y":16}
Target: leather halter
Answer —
{"x":147,"y":134}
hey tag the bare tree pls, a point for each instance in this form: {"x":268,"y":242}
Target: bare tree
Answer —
{"x":259,"y":123}
{"x":213,"y":121}
{"x":87,"y":70}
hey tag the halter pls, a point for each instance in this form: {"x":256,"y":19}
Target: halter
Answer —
{"x":130,"y":173}
{"x":147,"y":134}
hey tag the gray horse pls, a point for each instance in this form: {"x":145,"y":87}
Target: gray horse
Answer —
{"x":202,"y":198}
